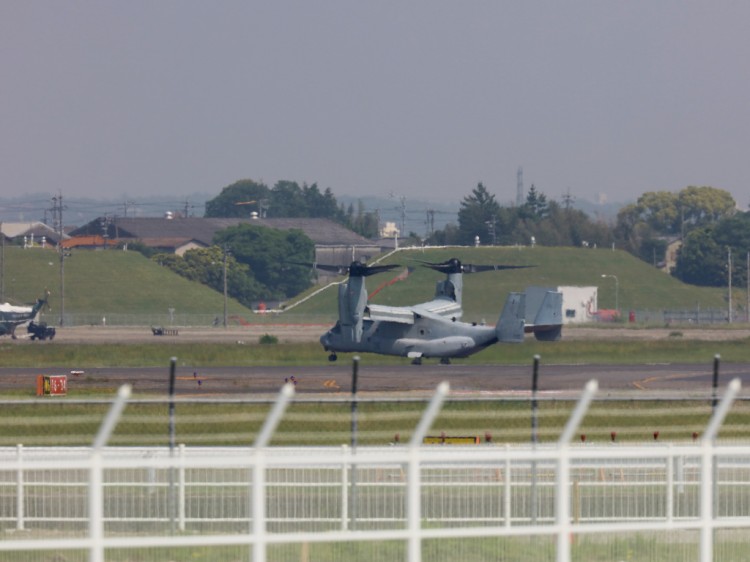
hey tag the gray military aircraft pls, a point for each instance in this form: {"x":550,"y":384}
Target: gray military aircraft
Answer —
{"x":12,"y":316}
{"x":433,"y":329}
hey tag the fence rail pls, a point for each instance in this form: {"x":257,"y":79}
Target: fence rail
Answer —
{"x":698,"y":317}
{"x":555,"y":502}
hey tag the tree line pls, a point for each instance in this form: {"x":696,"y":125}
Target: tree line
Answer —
{"x":263,"y":264}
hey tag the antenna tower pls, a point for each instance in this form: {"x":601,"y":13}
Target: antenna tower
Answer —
{"x":519,"y":187}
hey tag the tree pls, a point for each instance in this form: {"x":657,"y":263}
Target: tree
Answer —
{"x":700,"y":260}
{"x":660,"y":210}
{"x":447,"y":236}
{"x":237,"y":200}
{"x":271,"y":255}
{"x":365,"y":223}
{"x":641,"y":228}
{"x":287,"y":201}
{"x":700,"y":206}
{"x":478,"y":216}
{"x":535,"y":207}
{"x":206,"y":266}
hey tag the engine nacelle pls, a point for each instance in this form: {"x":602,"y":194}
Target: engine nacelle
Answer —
{"x":451,"y":346}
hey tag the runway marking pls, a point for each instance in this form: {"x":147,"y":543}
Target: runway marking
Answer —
{"x":641,"y":383}
{"x":331,"y":383}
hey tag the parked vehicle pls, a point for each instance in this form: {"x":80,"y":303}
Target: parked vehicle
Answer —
{"x":40,"y":331}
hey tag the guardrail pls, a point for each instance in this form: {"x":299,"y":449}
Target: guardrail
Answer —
{"x":419,"y":498}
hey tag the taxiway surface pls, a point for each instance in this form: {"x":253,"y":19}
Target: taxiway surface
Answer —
{"x":405,"y":379}
{"x":335,"y":378}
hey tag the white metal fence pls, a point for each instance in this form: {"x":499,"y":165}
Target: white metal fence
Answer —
{"x":490,"y":502}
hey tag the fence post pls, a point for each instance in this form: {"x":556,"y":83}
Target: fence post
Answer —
{"x":708,"y":474}
{"x":181,"y":480}
{"x":96,"y":479}
{"x":20,"y":492}
{"x":414,"y":490}
{"x":259,"y":471}
{"x":507,"y":487}
{"x":563,"y":471}
{"x":670,"y":466}
{"x":345,"y":461}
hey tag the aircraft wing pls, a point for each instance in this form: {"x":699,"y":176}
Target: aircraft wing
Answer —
{"x":446,"y":308}
{"x":400,"y":314}
{"x":439,"y":309}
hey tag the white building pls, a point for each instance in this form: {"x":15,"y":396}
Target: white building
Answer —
{"x":579,"y":304}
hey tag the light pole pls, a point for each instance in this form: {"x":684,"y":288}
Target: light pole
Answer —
{"x":617,"y":290}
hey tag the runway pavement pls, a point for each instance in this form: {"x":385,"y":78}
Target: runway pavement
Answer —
{"x":335,"y":379}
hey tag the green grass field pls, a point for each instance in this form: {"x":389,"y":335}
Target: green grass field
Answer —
{"x":62,"y":355}
{"x":641,"y":286}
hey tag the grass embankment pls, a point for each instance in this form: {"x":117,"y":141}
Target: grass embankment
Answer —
{"x":639,"y":285}
{"x":106,"y":283}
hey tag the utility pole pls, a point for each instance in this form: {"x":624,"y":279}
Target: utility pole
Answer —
{"x":224,"y":252}
{"x":57,"y":210}
{"x":729,"y":280}
{"x":519,"y":187}
{"x":403,"y":215}
{"x":2,"y":265}
{"x":430,"y":222}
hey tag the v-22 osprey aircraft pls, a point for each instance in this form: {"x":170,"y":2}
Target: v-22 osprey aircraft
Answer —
{"x":433,"y":329}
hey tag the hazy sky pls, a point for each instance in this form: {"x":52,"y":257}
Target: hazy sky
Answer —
{"x":419,"y":99}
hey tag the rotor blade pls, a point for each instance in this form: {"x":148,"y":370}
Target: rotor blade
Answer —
{"x":355,"y":269}
{"x":454,"y":265}
{"x":359,"y":269}
{"x":473,"y":268}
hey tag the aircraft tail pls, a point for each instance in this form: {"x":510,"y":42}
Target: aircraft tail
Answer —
{"x":39,"y":304}
{"x":547,"y":324}
{"x":510,"y":326}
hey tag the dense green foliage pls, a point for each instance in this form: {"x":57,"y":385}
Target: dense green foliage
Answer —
{"x":259,"y":261}
{"x":537,"y":221}
{"x":643,"y":227}
{"x":705,"y":254}
{"x":206,"y":266}
{"x":287,"y":199}
{"x":272,"y":256}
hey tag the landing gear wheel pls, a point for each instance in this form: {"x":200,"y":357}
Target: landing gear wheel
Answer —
{"x":416,"y":361}
{"x":332,"y":357}
{"x":445,"y":361}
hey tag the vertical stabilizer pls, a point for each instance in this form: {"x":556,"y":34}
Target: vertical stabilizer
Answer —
{"x":510,"y":326}
{"x":451,"y":288}
{"x":548,"y":319}
{"x":352,"y":302}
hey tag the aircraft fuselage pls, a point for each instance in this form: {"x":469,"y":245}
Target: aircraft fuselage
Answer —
{"x":444,"y":338}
